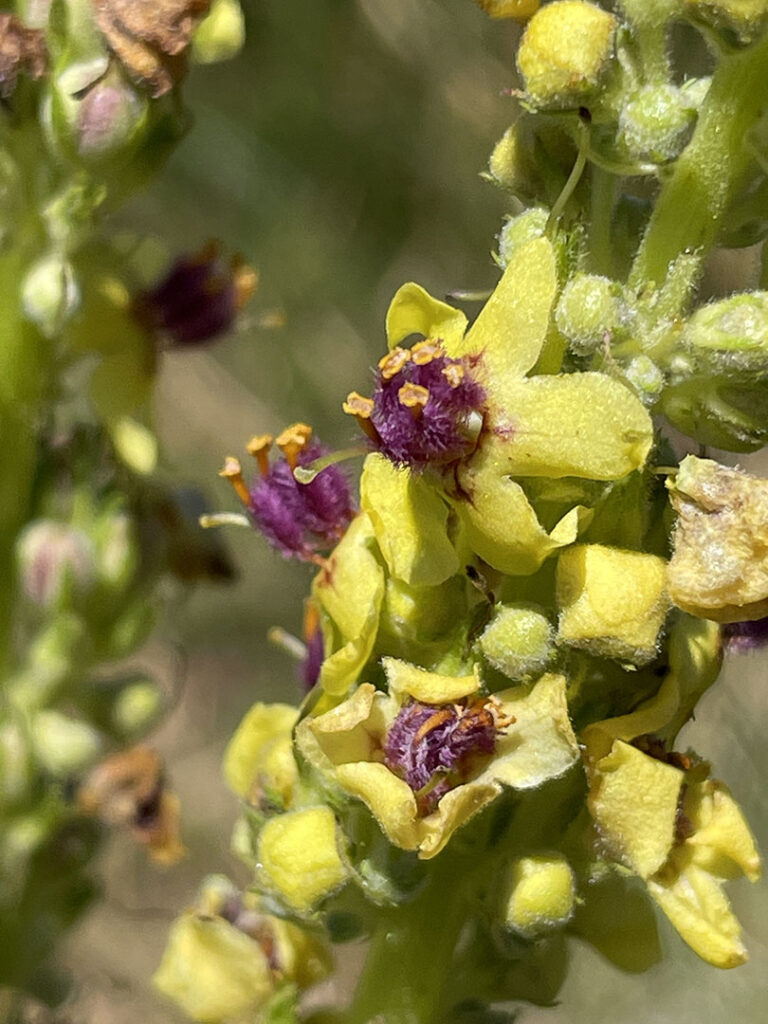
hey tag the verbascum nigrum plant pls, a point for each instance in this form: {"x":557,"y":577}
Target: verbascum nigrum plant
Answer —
{"x":508,"y":629}
{"x":90,"y":108}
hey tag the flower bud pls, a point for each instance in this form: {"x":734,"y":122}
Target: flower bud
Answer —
{"x":258,"y":745}
{"x":16,"y":768}
{"x":740,"y":21}
{"x":656,"y":122}
{"x":56,"y":561}
{"x":645,"y":377}
{"x":542,"y":895}
{"x":612,"y":603}
{"x":730,"y":337}
{"x":589,"y":312}
{"x":213,"y":971}
{"x":63,"y":745}
{"x":50,"y":294}
{"x":221,"y":33}
{"x":565,"y":53}
{"x":299,"y":859}
{"x":108,"y":119}
{"x":137,"y":708}
{"x":512,"y":164}
{"x":518,"y":641}
{"x":521,"y":229}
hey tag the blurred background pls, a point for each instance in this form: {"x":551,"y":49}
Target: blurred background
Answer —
{"x":341,"y":153}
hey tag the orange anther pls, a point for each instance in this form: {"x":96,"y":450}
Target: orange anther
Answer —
{"x":425,"y":351}
{"x":393,"y":362}
{"x":259,"y":447}
{"x":232,"y":471}
{"x":413,"y":397}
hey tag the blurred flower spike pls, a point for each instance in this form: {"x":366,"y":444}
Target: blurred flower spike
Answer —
{"x":298,"y":519}
{"x":198,"y":299}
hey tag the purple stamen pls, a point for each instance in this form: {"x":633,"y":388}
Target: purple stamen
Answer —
{"x":198,"y":299}
{"x":301,"y":519}
{"x":432,"y":748}
{"x":426,"y":408}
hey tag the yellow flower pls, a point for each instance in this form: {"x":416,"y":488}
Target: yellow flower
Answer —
{"x":352,"y":747}
{"x":583,"y":425}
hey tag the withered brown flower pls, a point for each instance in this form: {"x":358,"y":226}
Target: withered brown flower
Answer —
{"x":150,"y":37}
{"x":22,"y":51}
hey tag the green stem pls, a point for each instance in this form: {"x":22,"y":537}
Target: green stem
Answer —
{"x":695,"y":198}
{"x":409,"y":959}
{"x":601,"y":213}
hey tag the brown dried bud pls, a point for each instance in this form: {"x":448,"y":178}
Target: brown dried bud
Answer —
{"x":150,"y":37}
{"x":22,"y":51}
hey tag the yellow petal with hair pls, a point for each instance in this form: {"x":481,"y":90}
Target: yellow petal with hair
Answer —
{"x":414,"y":311}
{"x":634,"y":799}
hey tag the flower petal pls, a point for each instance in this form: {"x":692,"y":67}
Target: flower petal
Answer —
{"x":512,"y":326}
{"x":696,"y":905}
{"x":501,"y":525}
{"x":213,"y":971}
{"x":298,"y":856}
{"x":414,"y":311}
{"x":406,"y":680}
{"x":634,"y":801}
{"x":409,"y":519}
{"x":578,"y":424}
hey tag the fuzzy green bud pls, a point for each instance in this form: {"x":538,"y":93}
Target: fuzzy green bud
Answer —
{"x":589,"y":311}
{"x":730,"y":337}
{"x":137,"y":708}
{"x":521,"y":229}
{"x":565,"y":53}
{"x":50,"y":294}
{"x":63,"y":745}
{"x":656,"y":122}
{"x":645,"y":378}
{"x":512,"y":164}
{"x":221,"y":33}
{"x":55,"y":561}
{"x":741,"y":21}
{"x":519,"y":641}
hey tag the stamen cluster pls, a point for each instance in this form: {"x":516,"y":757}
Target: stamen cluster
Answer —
{"x":298,"y":519}
{"x":198,"y":299}
{"x":426,"y":407}
{"x":432,"y":748}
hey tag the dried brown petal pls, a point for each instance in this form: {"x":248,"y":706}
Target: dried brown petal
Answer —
{"x":150,"y":37}
{"x":719,"y":569}
{"x":22,"y":51}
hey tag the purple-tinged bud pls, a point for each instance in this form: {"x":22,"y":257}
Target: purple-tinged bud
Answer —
{"x":433,"y":748}
{"x":198,"y":299}
{"x":52,"y":558}
{"x":298,"y":519}
{"x":426,"y":408}
{"x":741,"y":637}
{"x":108,"y":119}
{"x":313,"y":640}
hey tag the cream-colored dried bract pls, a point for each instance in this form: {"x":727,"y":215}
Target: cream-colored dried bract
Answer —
{"x":719,"y":568}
